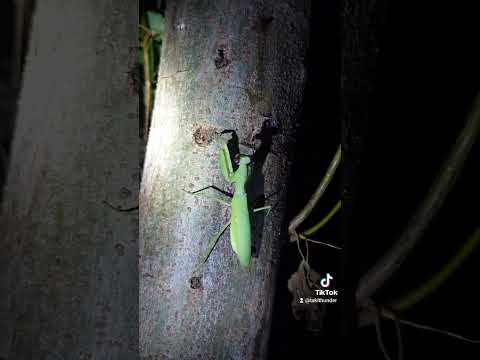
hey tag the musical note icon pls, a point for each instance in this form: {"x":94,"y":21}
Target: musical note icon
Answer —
{"x":326,"y":281}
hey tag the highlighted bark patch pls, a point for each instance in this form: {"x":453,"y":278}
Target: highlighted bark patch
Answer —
{"x":204,"y":135}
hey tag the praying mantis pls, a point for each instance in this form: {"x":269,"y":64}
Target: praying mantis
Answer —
{"x":240,"y":226}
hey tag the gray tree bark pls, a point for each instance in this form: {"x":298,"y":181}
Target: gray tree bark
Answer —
{"x":69,"y":280}
{"x":226,"y":65}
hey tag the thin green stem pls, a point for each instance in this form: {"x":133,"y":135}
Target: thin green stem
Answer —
{"x":303,"y":214}
{"x":418,"y":294}
{"x":324,"y":221}
{"x":433,"y":201}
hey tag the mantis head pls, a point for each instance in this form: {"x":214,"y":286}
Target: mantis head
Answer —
{"x":241,"y":160}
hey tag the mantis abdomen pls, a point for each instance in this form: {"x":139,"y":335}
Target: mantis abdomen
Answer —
{"x":240,"y":236}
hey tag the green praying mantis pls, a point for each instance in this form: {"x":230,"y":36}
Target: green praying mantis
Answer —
{"x":240,"y":226}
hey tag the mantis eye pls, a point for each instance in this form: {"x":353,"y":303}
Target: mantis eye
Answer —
{"x":236,"y":159}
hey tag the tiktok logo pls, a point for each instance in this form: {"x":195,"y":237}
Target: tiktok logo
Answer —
{"x":325,"y":282}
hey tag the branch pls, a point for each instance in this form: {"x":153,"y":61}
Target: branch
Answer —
{"x":322,"y":222}
{"x":434,"y":199}
{"x":440,"y":331}
{"x":372,"y":315}
{"x":440,"y":276}
{"x":297,"y":220}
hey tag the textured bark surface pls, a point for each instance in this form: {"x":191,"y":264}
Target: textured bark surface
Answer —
{"x":69,"y":280}
{"x":235,"y":65}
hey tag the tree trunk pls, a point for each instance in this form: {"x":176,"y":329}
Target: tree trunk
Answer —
{"x":69,"y":280}
{"x":226,"y":65}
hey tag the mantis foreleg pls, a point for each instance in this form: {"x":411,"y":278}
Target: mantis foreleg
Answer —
{"x":226,"y":166}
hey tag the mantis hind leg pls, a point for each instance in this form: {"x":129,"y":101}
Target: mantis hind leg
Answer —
{"x":261,"y":200}
{"x":263,"y":208}
{"x":198,"y":193}
{"x":211,"y":245}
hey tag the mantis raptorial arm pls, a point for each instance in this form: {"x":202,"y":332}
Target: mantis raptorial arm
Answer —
{"x":225,"y":162}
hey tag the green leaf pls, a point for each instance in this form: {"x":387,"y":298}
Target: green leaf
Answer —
{"x":156,"y":23}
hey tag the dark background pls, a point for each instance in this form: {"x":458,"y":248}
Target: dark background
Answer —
{"x":425,"y":77}
{"x":428,"y":76}
{"x":7,"y":91}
